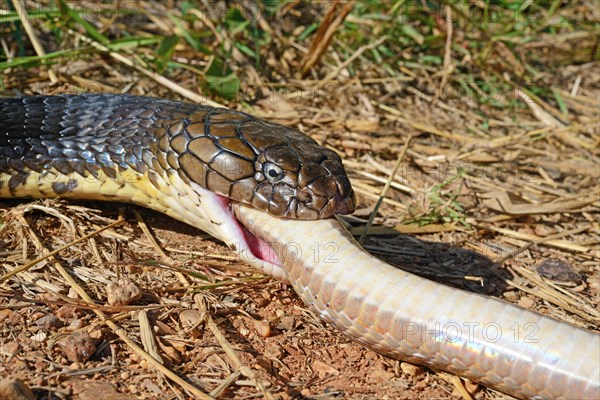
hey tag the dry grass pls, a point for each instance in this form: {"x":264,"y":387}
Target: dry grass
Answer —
{"x":498,"y":192}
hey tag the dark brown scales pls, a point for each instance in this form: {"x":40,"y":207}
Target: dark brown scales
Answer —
{"x":219,"y":149}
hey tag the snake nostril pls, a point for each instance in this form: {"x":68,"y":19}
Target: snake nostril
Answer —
{"x":308,"y":199}
{"x":305,"y":197}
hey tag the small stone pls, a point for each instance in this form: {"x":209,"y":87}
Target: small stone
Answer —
{"x":66,"y":312}
{"x":558,"y":270}
{"x":262,"y":302}
{"x":410,"y":369}
{"x":49,"y":321}
{"x":243,"y":330}
{"x":287,"y":323}
{"x":123,"y":292}
{"x":264,"y":363}
{"x":14,"y":389}
{"x":96,"y":334}
{"x":510,"y":296}
{"x":263,"y":328}
{"x":35,"y":316}
{"x":75,"y":325}
{"x":76,"y":366}
{"x":78,"y":347}
{"x":39,"y":337}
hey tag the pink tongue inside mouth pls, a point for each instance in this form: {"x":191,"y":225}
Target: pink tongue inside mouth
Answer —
{"x":259,"y":248}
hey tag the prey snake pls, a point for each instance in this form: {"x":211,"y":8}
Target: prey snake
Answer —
{"x":268,"y":191}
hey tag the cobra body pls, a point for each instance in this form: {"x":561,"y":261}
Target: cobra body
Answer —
{"x":232,"y":175}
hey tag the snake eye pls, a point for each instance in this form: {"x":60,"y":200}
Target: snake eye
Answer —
{"x":272,"y":172}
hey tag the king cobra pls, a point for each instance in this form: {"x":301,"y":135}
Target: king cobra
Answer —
{"x":269,"y":192}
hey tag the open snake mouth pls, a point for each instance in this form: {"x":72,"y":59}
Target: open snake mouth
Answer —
{"x":249,"y":247}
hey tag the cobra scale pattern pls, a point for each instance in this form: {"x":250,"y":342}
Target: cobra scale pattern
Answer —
{"x":68,"y":145}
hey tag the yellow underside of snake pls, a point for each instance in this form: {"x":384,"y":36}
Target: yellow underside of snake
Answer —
{"x":166,"y":193}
